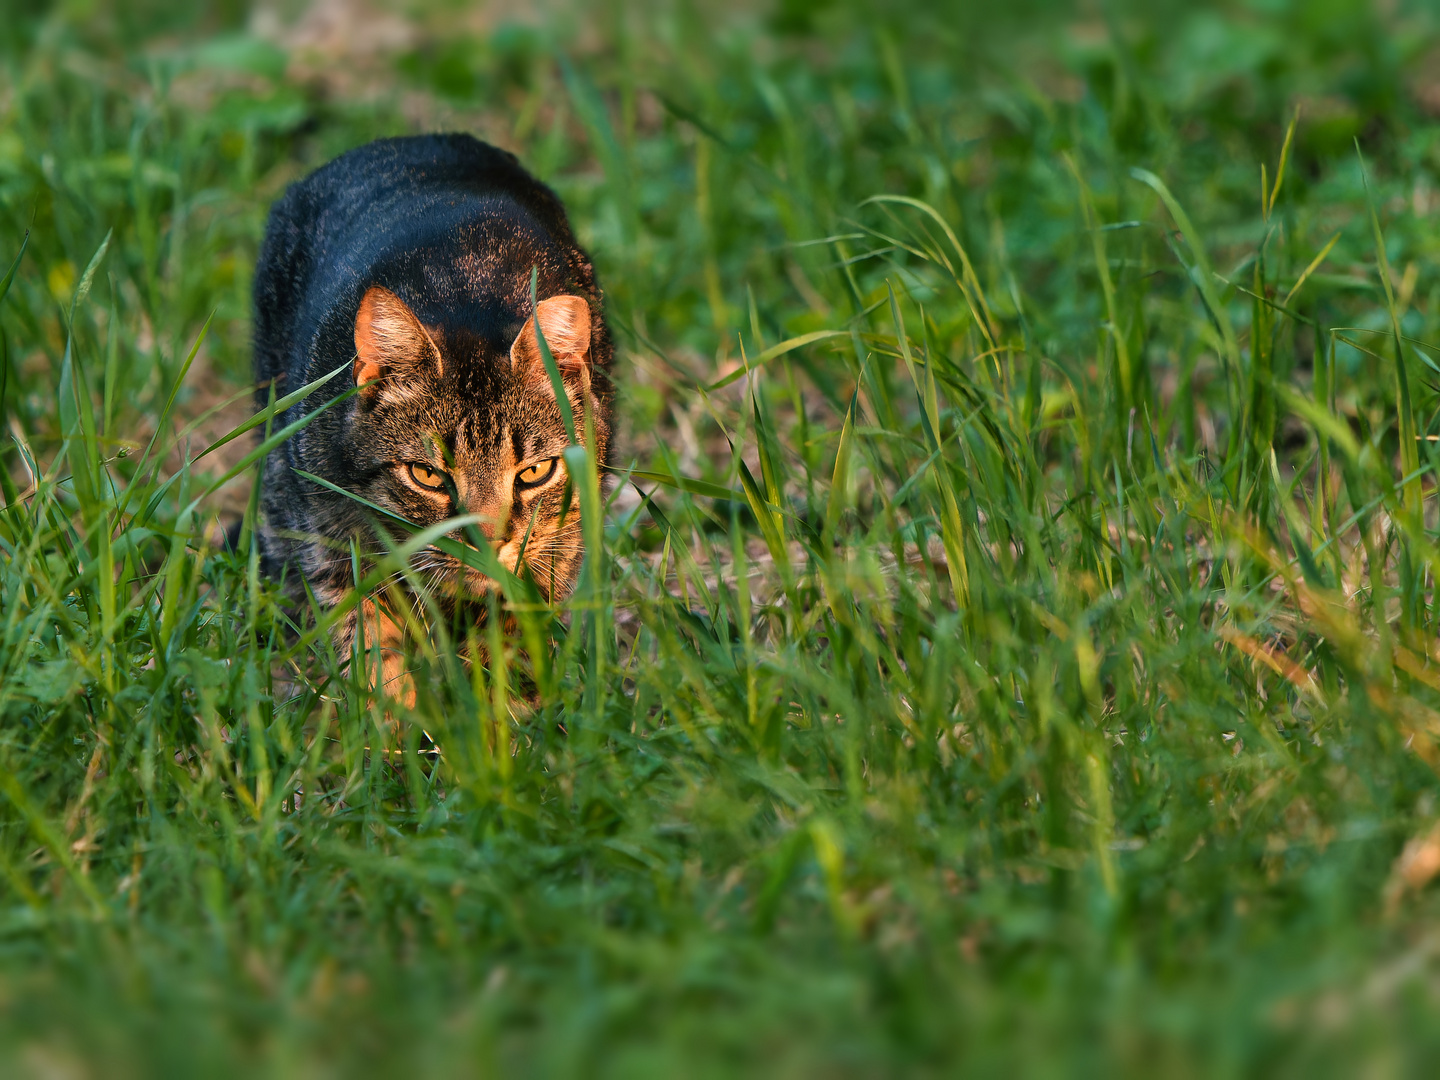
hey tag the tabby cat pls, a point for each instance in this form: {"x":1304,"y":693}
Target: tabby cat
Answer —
{"x":412,"y":258}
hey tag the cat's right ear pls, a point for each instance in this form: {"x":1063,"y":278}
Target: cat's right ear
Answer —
{"x":565,"y":322}
{"x":389,"y":341}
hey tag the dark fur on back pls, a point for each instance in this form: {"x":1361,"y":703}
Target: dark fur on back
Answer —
{"x":452,"y":226}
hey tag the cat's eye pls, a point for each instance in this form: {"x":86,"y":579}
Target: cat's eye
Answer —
{"x":427,"y":477}
{"x":537,"y":474}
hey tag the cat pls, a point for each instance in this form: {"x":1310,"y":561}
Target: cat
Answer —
{"x":410,"y":260}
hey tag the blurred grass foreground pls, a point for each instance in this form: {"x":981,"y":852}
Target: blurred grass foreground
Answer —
{"x":1010,"y":641}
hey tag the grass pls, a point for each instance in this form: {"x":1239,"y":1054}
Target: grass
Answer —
{"x":1021,"y":658}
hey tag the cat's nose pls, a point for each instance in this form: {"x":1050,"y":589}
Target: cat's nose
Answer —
{"x":492,"y":521}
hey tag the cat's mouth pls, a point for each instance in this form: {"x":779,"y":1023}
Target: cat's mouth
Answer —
{"x":540,"y":558}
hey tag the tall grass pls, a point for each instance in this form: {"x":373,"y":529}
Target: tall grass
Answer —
{"x":1007,"y":638}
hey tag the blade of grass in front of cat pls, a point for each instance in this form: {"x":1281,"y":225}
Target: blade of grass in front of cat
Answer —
{"x":271,"y":410}
{"x":276,"y":440}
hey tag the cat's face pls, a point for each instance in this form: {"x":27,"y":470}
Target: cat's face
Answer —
{"x":445,"y":427}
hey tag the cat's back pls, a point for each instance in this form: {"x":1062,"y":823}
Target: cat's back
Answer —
{"x":433,"y":217}
{"x":410,"y":174}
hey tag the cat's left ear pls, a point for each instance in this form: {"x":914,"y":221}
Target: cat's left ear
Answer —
{"x":389,"y":342}
{"x":565,"y":322}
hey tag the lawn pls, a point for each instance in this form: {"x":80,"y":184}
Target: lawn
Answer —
{"x":1009,"y":643}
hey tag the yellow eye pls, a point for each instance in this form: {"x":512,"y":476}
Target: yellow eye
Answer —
{"x":534,"y":475}
{"x":427,"y":477}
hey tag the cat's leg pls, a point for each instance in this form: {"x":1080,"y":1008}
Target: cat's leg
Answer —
{"x":379,"y":631}
{"x":385,"y":632}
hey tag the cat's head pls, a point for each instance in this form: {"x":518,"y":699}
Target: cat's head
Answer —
{"x":447,"y":422}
